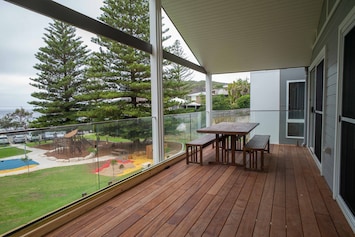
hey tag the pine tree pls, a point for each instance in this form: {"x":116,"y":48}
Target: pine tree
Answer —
{"x":175,"y":77}
{"x":98,"y":93}
{"x":61,"y":72}
{"x":121,"y":72}
{"x":119,"y":83}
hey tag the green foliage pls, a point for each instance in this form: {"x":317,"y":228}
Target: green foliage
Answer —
{"x":130,"y":129}
{"x":243,"y":102}
{"x":237,"y":89}
{"x":6,"y":121}
{"x":220,"y":102}
{"x":61,"y":67}
{"x":175,"y":78}
{"x":112,"y":83}
{"x":238,"y":97}
{"x":93,"y":137}
{"x":170,"y":125}
{"x":118,"y":84}
{"x":20,"y":118}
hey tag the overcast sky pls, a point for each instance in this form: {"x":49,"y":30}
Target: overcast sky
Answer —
{"x":21,"y":37}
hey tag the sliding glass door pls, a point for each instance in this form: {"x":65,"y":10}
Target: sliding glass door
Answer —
{"x":316,"y":116}
{"x":347,"y":120}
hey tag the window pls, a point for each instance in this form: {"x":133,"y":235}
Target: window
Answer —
{"x":295,"y":109}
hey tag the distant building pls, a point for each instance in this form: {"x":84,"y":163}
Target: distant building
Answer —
{"x":221,"y":91}
{"x":196,"y":97}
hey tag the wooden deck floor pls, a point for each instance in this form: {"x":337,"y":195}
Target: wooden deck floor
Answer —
{"x":289,"y":199}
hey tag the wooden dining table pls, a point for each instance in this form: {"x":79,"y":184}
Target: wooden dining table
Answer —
{"x":227,"y":130}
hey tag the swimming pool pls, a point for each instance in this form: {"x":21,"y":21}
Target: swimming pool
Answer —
{"x":15,"y":163}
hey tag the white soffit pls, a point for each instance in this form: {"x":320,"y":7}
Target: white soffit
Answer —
{"x":247,"y":35}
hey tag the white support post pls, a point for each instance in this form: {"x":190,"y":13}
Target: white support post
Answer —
{"x":208,"y":100}
{"x":156,"y":65}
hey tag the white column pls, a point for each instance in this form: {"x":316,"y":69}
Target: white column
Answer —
{"x":156,"y":66}
{"x":208,"y":100}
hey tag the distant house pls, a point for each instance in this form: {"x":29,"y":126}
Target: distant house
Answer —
{"x":179,"y":103}
{"x":196,"y":97}
{"x":178,"y":100}
{"x":194,"y":105}
{"x":221,"y":91}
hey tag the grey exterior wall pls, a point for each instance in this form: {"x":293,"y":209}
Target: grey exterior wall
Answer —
{"x":329,"y":40}
{"x":291,"y":74}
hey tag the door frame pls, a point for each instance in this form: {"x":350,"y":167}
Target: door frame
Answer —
{"x":311,"y":103}
{"x":287,"y":119}
{"x":344,"y":28}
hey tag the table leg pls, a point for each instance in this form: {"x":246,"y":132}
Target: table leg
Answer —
{"x":233,"y":148}
{"x":217,"y":148}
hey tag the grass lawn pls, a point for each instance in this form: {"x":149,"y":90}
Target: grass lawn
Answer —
{"x":8,"y":151}
{"x":36,"y":143}
{"x":28,"y":196}
{"x":92,"y":136}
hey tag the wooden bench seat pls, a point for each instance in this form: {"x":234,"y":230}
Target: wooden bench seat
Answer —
{"x":258,"y":143}
{"x":194,"y":148}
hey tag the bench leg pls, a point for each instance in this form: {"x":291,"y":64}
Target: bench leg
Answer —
{"x":248,"y":159}
{"x":244,"y":158}
{"x":201,"y":150}
{"x":193,"y":153}
{"x":224,"y":150}
{"x":190,"y":154}
{"x":187,"y":154}
{"x":233,"y":148}
{"x":253,"y":159}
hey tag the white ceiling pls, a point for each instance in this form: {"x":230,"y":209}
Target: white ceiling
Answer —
{"x":247,"y":35}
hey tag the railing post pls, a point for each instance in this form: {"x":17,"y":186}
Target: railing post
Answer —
{"x":208,"y":100}
{"x":156,"y":65}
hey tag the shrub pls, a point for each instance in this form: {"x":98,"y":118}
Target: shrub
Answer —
{"x":243,"y":101}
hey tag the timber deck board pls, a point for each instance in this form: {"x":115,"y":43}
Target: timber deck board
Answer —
{"x":290,"y":198}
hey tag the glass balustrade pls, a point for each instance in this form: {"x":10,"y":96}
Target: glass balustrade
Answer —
{"x":42,"y":170}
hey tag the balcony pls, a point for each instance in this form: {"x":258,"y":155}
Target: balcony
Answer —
{"x":289,"y":199}
{"x":69,"y":164}
{"x":168,"y":197}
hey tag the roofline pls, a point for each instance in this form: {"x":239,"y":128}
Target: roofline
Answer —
{"x":57,"y":11}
